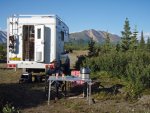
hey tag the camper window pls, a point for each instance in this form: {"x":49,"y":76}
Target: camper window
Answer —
{"x":62,"y":36}
{"x":39,"y":33}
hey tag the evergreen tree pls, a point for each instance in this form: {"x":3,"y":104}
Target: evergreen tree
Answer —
{"x":2,"y":52}
{"x":107,"y":42}
{"x":134,"y":41}
{"x":126,"y":36}
{"x":118,"y":47}
{"x":148,"y":44}
{"x":107,"y":38}
{"x":142,"y":42}
{"x":91,"y":48}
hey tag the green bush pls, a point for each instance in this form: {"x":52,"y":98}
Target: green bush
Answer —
{"x":8,"y":108}
{"x":75,"y":46}
{"x":3,"y":52}
{"x":132,"y":66}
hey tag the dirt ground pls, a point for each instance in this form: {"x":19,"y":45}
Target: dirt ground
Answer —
{"x":31,"y":97}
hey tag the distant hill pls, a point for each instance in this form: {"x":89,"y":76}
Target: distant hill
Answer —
{"x":98,"y":36}
{"x":3,"y":37}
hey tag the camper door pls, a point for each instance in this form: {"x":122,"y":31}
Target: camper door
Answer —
{"x":39,"y":43}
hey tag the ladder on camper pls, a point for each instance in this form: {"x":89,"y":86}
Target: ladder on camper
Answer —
{"x":14,"y":23}
{"x":14,"y":31}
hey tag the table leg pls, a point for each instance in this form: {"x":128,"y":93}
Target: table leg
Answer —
{"x":65,"y":89}
{"x":49,"y":92}
{"x":89,"y":92}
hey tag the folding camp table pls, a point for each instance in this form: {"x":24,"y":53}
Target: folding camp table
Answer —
{"x":71,"y":79}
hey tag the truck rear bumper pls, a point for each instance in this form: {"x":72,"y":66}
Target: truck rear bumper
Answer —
{"x":34,"y":65}
{"x":26,"y":65}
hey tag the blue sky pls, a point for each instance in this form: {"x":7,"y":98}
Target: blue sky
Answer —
{"x":105,"y":15}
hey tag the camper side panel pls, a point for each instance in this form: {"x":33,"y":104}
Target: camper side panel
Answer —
{"x":61,"y":37}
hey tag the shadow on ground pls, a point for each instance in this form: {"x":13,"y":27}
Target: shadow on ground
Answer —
{"x":22,"y":95}
{"x":33,"y":94}
{"x":114,"y":89}
{"x":29,"y":95}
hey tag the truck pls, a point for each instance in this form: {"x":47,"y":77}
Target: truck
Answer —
{"x":34,"y":41}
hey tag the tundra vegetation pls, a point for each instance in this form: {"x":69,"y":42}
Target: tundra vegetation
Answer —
{"x":128,"y":61}
{"x":125,"y":64}
{"x":2,"y":52}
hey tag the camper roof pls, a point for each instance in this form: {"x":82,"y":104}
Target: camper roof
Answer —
{"x":38,"y":16}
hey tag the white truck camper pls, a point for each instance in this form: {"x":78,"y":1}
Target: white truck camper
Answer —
{"x":33,"y":41}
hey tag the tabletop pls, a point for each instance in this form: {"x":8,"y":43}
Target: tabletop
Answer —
{"x":68,"y":78}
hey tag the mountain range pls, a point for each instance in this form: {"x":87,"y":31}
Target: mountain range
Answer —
{"x":98,"y":36}
{"x":84,"y":36}
{"x":3,"y":36}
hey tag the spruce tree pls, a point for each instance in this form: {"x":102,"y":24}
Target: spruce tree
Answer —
{"x":91,"y":48}
{"x":126,"y":36}
{"x":107,"y":38}
{"x":134,"y":41}
{"x":142,"y":42}
{"x":2,"y":52}
{"x":118,"y":47}
{"x":148,"y":44}
{"x":107,"y":42}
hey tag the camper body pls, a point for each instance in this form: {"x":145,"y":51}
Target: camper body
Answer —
{"x":33,"y":41}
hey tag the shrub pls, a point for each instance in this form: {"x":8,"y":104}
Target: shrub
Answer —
{"x":132,"y":67}
{"x":8,"y":108}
